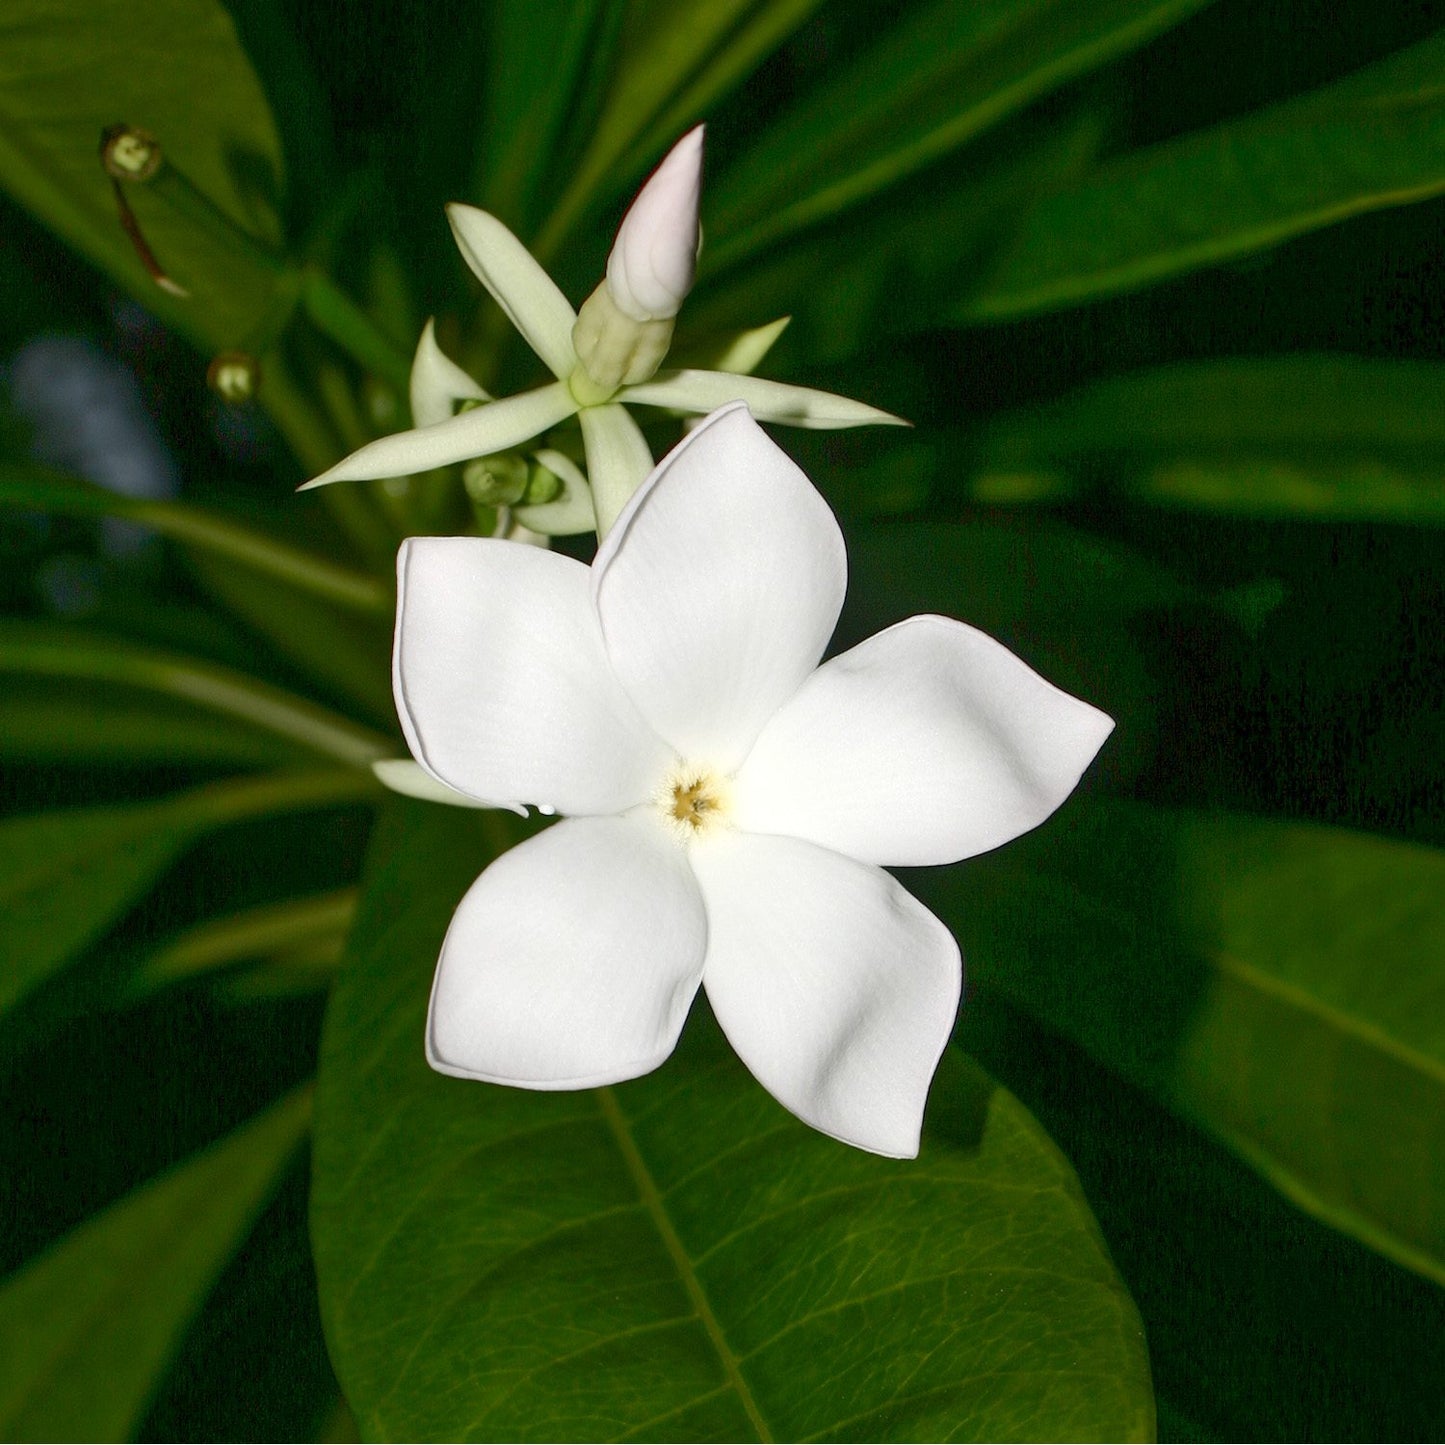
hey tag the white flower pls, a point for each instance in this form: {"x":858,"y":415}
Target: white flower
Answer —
{"x":728,"y":803}
{"x":618,"y":458}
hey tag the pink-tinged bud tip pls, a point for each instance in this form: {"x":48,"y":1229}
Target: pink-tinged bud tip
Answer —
{"x":654,"y":258}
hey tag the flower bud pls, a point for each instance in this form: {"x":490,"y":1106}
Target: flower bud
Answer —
{"x":654,"y":258}
{"x":235,"y":376}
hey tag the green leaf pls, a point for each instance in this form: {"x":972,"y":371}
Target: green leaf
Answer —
{"x":66,"y":876}
{"x":534,"y":75}
{"x":677,"y":61}
{"x":929,"y":85}
{"x":1322,"y":437}
{"x":88,"y":1329}
{"x":678,"y":1258}
{"x":890,"y":268}
{"x":54,"y":651}
{"x":1372,"y":140}
{"x":76,"y":722}
{"x":1282,"y":984}
{"x":1004,"y":575}
{"x":40,"y":489}
{"x":334,"y":646}
{"x":293,"y":931}
{"x":175,"y":69}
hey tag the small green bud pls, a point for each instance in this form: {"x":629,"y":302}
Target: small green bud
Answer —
{"x":542,"y":487}
{"x":499,"y":481}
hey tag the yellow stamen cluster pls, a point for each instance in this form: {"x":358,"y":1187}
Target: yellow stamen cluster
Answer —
{"x":693,"y":800}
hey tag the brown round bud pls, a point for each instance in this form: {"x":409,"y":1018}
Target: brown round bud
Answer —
{"x":129,"y":153}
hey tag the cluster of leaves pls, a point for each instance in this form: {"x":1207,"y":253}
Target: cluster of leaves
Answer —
{"x":1209,"y":507}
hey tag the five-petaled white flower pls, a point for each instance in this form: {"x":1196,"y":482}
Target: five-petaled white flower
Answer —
{"x":728,"y":803}
{"x":604,"y":360}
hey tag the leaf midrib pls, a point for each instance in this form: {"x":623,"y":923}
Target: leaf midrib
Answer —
{"x":1222,"y":962}
{"x":651,"y":1199}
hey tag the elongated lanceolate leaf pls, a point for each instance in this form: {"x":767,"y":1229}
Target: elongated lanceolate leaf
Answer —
{"x":175,"y":69}
{"x":1282,"y":984}
{"x":929,"y":85}
{"x":678,"y":1258}
{"x":674,"y":62}
{"x":66,"y":876}
{"x":87,"y":1330}
{"x":1323,"y":437}
{"x":1372,"y":140}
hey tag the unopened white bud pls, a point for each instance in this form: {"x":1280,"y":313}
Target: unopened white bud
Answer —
{"x":654,"y":258}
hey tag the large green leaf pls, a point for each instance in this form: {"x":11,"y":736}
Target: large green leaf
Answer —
{"x":66,"y":876}
{"x":534,"y":75}
{"x":40,"y":489}
{"x":1007,"y":575}
{"x":1325,"y":437}
{"x":678,"y":1258}
{"x":87,"y":1330}
{"x":928,"y":86}
{"x":174,"y":68}
{"x":675,"y":62}
{"x":890,"y":267}
{"x":1282,"y":984}
{"x":46,"y":722}
{"x":1374,"y":139}
{"x":56,"y":651}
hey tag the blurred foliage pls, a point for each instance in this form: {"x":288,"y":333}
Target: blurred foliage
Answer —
{"x":1157,"y":281}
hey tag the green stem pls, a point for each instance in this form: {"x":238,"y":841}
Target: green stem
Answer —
{"x":33,"y":487}
{"x":28,"y":649}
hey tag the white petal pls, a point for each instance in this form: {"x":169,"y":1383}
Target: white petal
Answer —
{"x":519,"y":286}
{"x":495,"y":427}
{"x":654,"y":259}
{"x":719,"y":587}
{"x":572,"y":961}
{"x":618,"y":461}
{"x":437,"y":382}
{"x":925,"y":744}
{"x":411,"y":780}
{"x":837,"y":988}
{"x":773,"y":401}
{"x":567,"y":514}
{"x":503,"y":684}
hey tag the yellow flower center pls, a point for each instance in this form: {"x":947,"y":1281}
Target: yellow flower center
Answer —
{"x":693,"y":800}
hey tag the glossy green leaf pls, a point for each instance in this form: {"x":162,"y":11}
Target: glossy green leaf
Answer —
{"x":675,"y":62}
{"x":1001,"y":575}
{"x":44,"y":722}
{"x":1372,"y":140}
{"x":889,"y":268}
{"x":340,"y":649}
{"x":1322,"y":437}
{"x":41,"y":490}
{"x":49,"y":650}
{"x":88,"y":1329}
{"x":534,"y":75}
{"x":504,"y":1264}
{"x":175,"y":69}
{"x":67,"y":875}
{"x":1282,"y":984}
{"x":929,"y":85}
{"x":290,"y":932}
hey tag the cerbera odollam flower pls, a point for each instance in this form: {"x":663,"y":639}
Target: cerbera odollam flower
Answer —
{"x":727,"y":802}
